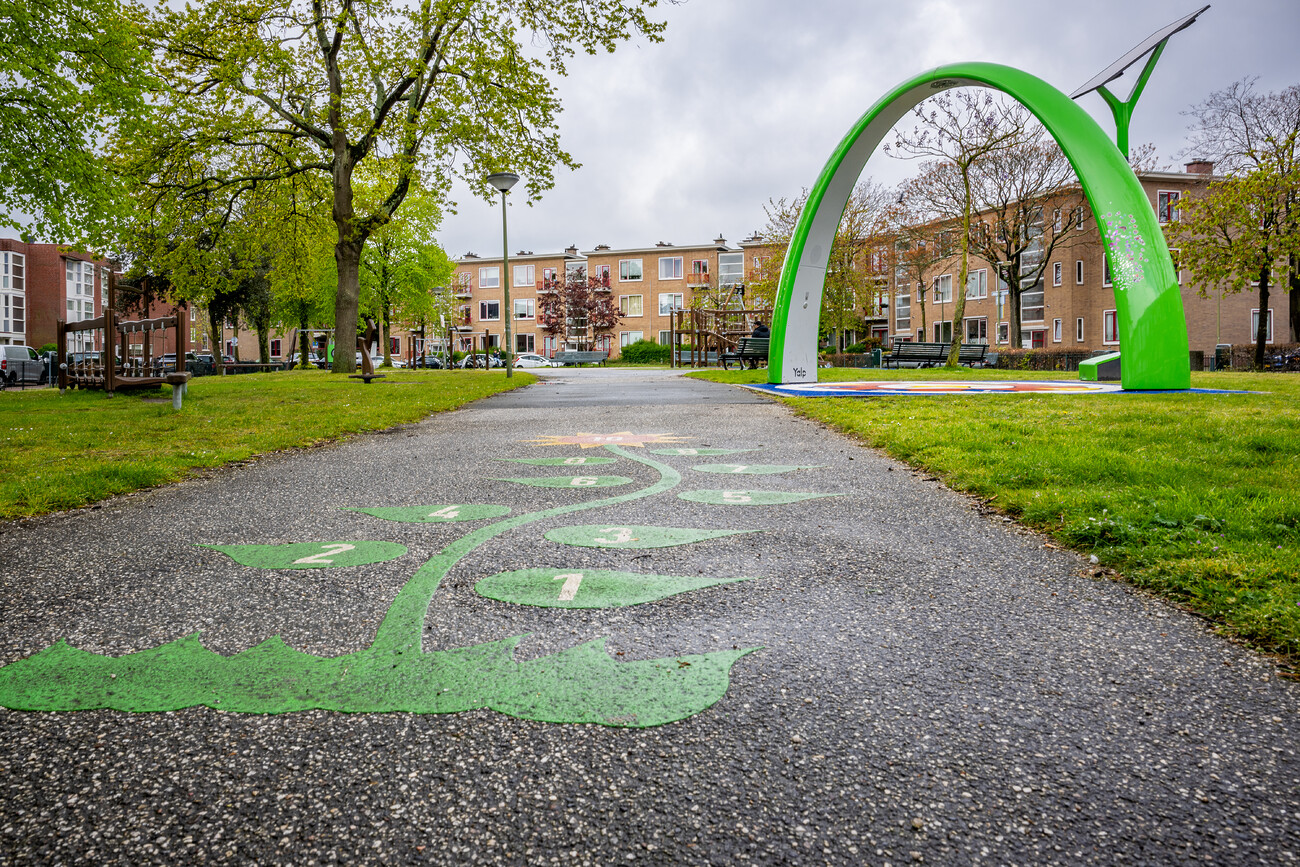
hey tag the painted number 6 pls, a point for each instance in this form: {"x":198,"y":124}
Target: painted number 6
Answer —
{"x":583,"y":481}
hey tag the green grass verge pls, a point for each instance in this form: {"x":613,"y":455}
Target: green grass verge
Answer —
{"x":1193,"y":496}
{"x":61,"y":452}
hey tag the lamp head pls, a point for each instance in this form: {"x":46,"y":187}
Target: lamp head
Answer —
{"x":503,"y":180}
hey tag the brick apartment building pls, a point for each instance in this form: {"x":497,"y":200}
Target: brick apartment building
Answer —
{"x":42,"y":283}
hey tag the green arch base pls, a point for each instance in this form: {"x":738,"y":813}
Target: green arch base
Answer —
{"x":1152,"y":330}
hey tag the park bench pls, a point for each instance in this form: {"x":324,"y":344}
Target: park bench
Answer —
{"x":749,"y":352}
{"x":972,"y":354}
{"x":580,"y":357}
{"x":920,"y":354}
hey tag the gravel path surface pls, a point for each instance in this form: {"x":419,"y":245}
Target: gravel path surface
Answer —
{"x":934,"y":685}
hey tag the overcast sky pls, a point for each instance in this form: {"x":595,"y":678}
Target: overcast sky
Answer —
{"x":745,"y":99}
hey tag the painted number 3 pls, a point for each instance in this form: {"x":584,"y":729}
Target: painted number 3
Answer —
{"x":572,"y":580}
{"x":330,"y":552}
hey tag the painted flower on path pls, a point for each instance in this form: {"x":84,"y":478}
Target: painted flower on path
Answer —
{"x":592,"y":440}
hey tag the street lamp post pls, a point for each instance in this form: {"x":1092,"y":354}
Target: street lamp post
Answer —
{"x":503,"y":181}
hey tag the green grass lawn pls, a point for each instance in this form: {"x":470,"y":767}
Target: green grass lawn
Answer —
{"x":1193,"y":496}
{"x":61,"y":452}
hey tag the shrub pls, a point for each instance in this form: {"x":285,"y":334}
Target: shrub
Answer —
{"x":645,"y":352}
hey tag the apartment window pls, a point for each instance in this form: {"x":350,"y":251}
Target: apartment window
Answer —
{"x":489,"y":311}
{"x":1109,"y":327}
{"x":601,"y":273}
{"x":670,"y":301}
{"x":665,"y":338}
{"x":699,"y":270}
{"x":903,"y":312}
{"x":1004,"y":329}
{"x":977,"y":284}
{"x":525,"y":308}
{"x":943,"y":332}
{"x":1078,"y":330}
{"x":81,"y":279}
{"x":1056,"y":273}
{"x":13,"y":268}
{"x":575,"y":269}
{"x":1032,"y":339}
{"x":977,"y":330}
{"x":525,"y":343}
{"x":1031,"y":304}
{"x":1056,"y":220}
{"x":548,"y":275}
{"x":1056,"y":331}
{"x":1167,"y":205}
{"x":627,"y":337}
{"x":943,"y":289}
{"x":1268,"y":325}
{"x":670,"y":267}
{"x":275,"y":348}
{"x":12,"y":314}
{"x":1078,"y":272}
{"x":1105,"y":269}
{"x":1078,"y":219}
{"x":630,"y":305}
{"x":525,"y":276}
{"x":489,"y":278}
{"x":629,"y":270}
{"x":731,"y":269}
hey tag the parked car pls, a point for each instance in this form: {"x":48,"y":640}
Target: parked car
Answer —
{"x":532,"y":359}
{"x":478,"y":360}
{"x":432,"y":362}
{"x":21,"y":364}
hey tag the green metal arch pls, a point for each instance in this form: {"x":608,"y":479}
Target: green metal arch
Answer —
{"x":1152,"y":330}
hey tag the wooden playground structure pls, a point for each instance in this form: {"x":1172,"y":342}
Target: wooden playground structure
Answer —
{"x":700,"y":336}
{"x":111,"y":362}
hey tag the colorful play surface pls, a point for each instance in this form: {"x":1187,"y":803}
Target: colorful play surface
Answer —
{"x":917,"y":387}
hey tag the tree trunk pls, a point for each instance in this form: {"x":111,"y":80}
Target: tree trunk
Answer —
{"x":264,"y":344}
{"x":1013,"y":301}
{"x":218,"y":340}
{"x":1294,"y":298}
{"x":963,"y":273}
{"x":347,"y":256}
{"x":1261,"y":328}
{"x":385,"y":324}
{"x":302,"y":342}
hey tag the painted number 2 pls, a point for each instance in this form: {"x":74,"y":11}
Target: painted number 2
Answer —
{"x":331,"y":551}
{"x":572,"y":580}
{"x":622,"y":534}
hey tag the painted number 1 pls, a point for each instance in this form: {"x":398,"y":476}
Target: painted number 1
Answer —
{"x":331,"y":551}
{"x":572,"y":580}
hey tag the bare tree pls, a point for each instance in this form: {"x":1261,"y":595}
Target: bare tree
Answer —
{"x":960,"y":128}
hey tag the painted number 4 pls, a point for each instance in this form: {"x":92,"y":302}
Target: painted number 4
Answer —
{"x":331,"y":551}
{"x":572,"y":580}
{"x":446,"y":512}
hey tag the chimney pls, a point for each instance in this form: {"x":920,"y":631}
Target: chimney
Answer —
{"x":572,"y":249}
{"x":662,"y":244}
{"x":1199,"y":167}
{"x":720,"y":241}
{"x":602,"y":246}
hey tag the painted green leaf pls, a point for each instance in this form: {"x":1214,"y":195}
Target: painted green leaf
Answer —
{"x":438,"y":513}
{"x":753,"y":469}
{"x":608,"y":536}
{"x":588,"y":588}
{"x":562,"y":462}
{"x":583,"y":684}
{"x":311,"y":555}
{"x":578,"y":482}
{"x":696,"y":452}
{"x":748,"y":498}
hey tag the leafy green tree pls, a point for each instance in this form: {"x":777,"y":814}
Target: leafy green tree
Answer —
{"x":263,"y":91}
{"x":1245,"y":133}
{"x":69,"y":71}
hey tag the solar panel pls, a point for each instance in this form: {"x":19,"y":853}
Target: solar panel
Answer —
{"x":1116,"y":69}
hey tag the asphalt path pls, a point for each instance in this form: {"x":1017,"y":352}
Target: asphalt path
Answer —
{"x":928,"y":683}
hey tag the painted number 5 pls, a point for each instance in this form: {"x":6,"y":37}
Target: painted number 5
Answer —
{"x":330,"y":552}
{"x":572,"y":580}
{"x":622,"y":534}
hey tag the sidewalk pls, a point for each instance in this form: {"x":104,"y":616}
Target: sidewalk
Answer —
{"x":902,"y":679}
